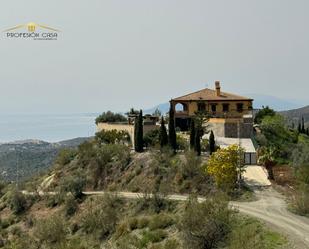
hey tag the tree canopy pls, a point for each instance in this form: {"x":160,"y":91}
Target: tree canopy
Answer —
{"x":110,"y":117}
{"x":265,"y":111}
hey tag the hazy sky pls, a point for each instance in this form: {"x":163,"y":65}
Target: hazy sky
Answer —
{"x":117,"y":54}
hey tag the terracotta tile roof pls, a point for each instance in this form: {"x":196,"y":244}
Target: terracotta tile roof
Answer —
{"x":209,"y":94}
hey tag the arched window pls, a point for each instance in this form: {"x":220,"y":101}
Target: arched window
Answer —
{"x":181,"y":107}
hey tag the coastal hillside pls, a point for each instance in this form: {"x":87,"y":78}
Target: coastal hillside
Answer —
{"x":67,"y":218}
{"x":295,"y":115}
{"x":21,"y":159}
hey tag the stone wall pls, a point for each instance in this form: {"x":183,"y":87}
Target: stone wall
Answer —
{"x":125,"y":127}
{"x":229,"y":128}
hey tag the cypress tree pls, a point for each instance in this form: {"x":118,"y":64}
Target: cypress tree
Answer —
{"x":212,"y":143}
{"x":197,"y":142}
{"x":171,"y":130}
{"x":307,"y":131}
{"x":303,"y":125}
{"x":299,"y":127}
{"x":163,"y":138}
{"x":192,"y":134}
{"x":138,"y":133}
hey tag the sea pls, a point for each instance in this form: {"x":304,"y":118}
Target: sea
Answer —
{"x":46,"y":127}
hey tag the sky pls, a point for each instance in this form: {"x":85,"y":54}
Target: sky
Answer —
{"x":140,"y":53}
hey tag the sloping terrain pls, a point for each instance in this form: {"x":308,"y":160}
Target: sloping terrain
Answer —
{"x":22,"y":159}
{"x":295,"y":115}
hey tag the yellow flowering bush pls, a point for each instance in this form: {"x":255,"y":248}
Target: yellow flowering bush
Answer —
{"x":226,"y":166}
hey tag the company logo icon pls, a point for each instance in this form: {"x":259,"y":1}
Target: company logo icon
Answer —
{"x":33,"y":32}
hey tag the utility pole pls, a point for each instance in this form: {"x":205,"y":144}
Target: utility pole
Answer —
{"x":239,"y":154}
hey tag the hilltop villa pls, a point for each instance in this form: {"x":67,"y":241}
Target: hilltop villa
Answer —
{"x":230,"y":114}
{"x":231,"y":118}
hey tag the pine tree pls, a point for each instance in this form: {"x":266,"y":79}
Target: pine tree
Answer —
{"x":171,"y":130}
{"x":138,"y":133}
{"x":212,"y":143}
{"x":163,"y":138}
{"x":192,"y":134}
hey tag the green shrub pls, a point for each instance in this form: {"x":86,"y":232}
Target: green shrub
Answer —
{"x":70,"y":206}
{"x":155,"y":203}
{"x":17,"y":202}
{"x":301,"y":200}
{"x":191,"y":167}
{"x":55,"y":200}
{"x":112,"y":137}
{"x":133,"y":223}
{"x":206,"y":224}
{"x":152,"y":237}
{"x":101,"y":219}
{"x":29,"y":221}
{"x":2,"y":186}
{"x":65,"y":156}
{"x":4,"y":223}
{"x":101,"y":160}
{"x":248,"y":233}
{"x":51,"y":230}
{"x":16,"y":230}
{"x":172,"y":244}
{"x":21,"y":242}
{"x":122,"y":229}
{"x":75,"y":186}
{"x":142,"y":222}
{"x":151,"y":138}
{"x":127,"y":241}
{"x":182,"y":142}
{"x":160,"y":221}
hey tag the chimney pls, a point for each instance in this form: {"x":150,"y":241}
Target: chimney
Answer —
{"x":218,"y":88}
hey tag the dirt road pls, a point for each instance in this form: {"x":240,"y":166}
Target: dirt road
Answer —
{"x":272,"y":208}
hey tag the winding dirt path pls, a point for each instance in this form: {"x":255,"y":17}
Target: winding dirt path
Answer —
{"x":270,"y":207}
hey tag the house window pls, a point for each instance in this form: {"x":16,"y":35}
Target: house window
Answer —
{"x":240,"y":107}
{"x":226,"y":107}
{"x":201,"y":107}
{"x":213,"y":107}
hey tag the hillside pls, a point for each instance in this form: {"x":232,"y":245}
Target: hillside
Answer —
{"x":22,"y":159}
{"x":70,"y":220}
{"x":295,"y":115}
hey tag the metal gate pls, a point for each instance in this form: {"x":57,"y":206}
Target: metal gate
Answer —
{"x":250,"y":158}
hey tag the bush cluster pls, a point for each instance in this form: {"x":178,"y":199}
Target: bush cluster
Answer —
{"x":110,"y":117}
{"x":206,"y":224}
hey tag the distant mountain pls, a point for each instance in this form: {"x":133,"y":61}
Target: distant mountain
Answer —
{"x":295,"y":115}
{"x":260,"y":100}
{"x":22,"y":159}
{"x":164,"y":108}
{"x":275,"y":103}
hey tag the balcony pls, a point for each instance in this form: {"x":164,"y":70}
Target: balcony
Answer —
{"x":181,"y":114}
